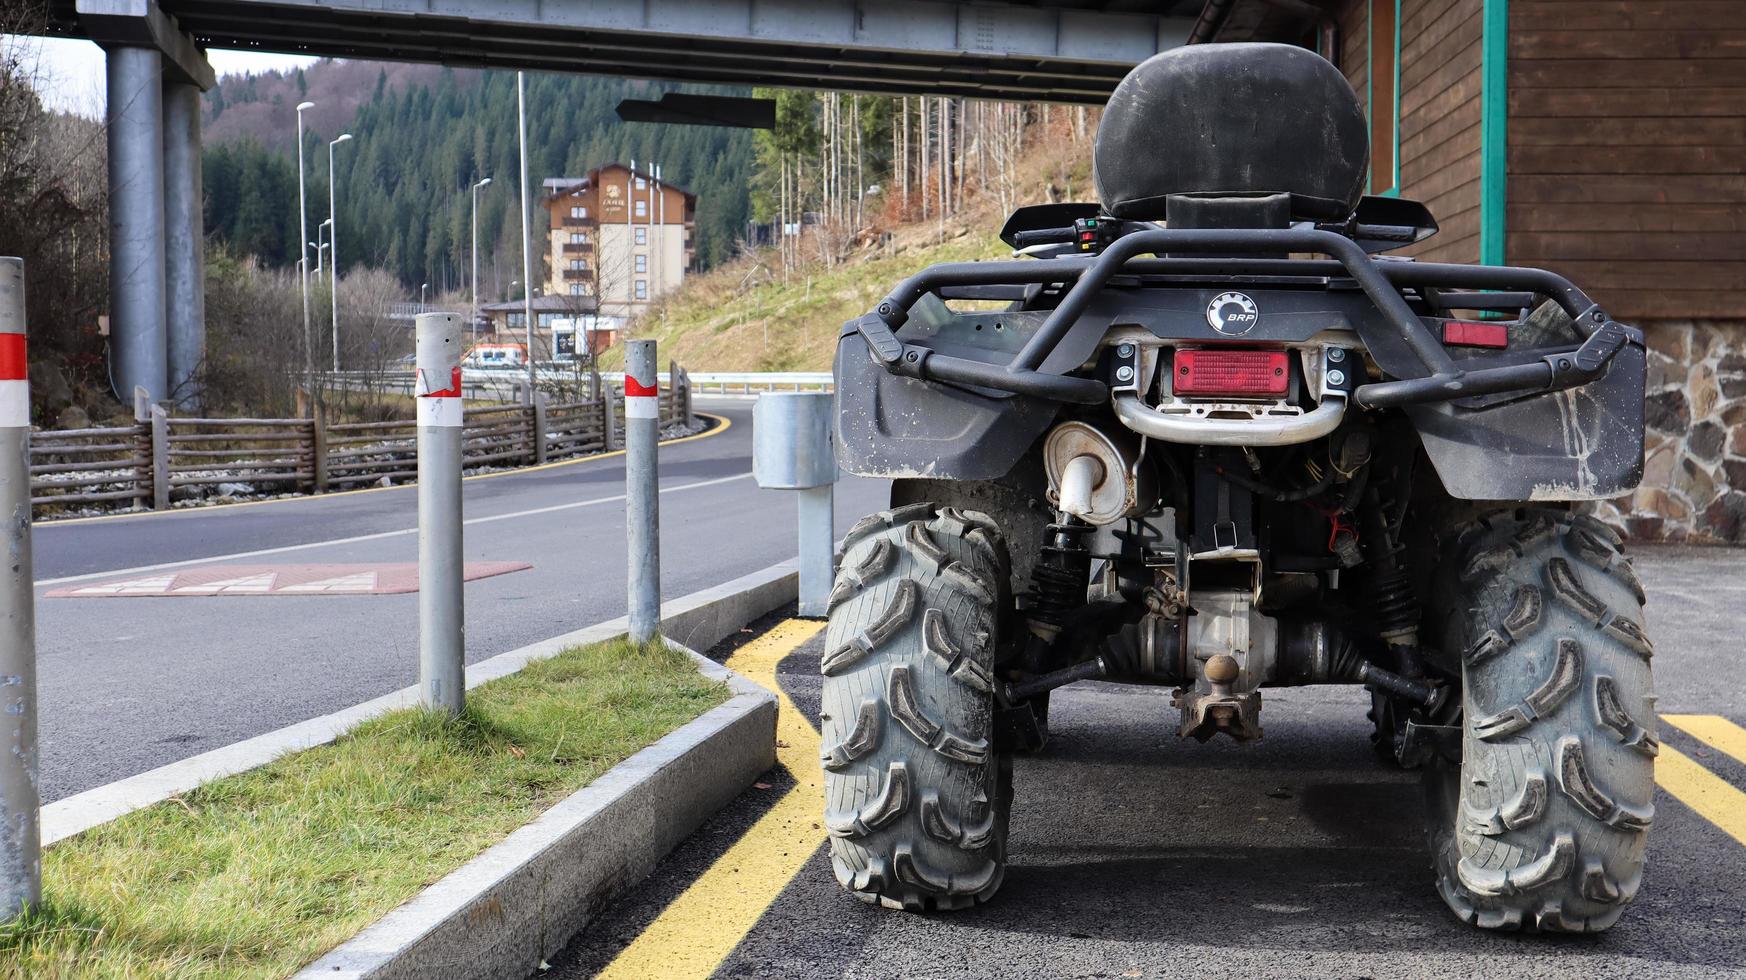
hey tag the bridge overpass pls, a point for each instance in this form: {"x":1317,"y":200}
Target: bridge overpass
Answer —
{"x":1071,"y":51}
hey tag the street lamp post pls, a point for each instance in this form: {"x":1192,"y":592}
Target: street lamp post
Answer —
{"x":422,"y":288}
{"x":333,"y":243}
{"x":526,"y":242}
{"x":320,"y":247}
{"x":473,"y":324}
{"x":303,"y":258}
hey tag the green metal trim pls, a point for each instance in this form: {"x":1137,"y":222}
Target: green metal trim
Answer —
{"x":1493,"y":129}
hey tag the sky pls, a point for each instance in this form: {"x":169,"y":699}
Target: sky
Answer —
{"x":71,"y":71}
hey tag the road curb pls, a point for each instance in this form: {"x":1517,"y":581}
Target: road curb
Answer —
{"x":504,"y":912}
{"x":697,"y":621}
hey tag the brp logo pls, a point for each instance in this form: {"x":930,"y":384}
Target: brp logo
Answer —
{"x":1232,"y":314}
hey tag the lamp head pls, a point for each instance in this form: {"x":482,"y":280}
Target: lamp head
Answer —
{"x":482,"y":183}
{"x":305,"y":105}
{"x":343,"y":137}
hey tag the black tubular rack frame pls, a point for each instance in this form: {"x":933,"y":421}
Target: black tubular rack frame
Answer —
{"x":1380,"y":281}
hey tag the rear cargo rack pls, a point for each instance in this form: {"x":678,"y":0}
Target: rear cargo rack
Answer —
{"x":1381,"y":281}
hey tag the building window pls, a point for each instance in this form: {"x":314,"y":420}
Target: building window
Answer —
{"x":1384,"y":96}
{"x":578,"y":265}
{"x":576,"y":289}
{"x":546,"y":320}
{"x":517,"y":321}
{"x":642,"y":209}
{"x":578,"y":238}
{"x":642,"y":184}
{"x":578,"y":212}
{"x":642,"y":289}
{"x":642,"y":235}
{"x":642,"y":263}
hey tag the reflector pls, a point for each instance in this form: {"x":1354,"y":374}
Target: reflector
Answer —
{"x":1466,"y":333}
{"x":1240,"y":373}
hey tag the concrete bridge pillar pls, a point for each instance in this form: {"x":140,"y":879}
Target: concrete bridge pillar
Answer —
{"x":184,"y":241}
{"x":157,"y":261}
{"x":139,"y":351}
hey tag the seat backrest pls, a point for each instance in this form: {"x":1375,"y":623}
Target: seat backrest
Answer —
{"x":1232,"y":120}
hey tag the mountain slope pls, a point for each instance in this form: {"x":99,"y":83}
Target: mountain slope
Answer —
{"x":422,"y":136}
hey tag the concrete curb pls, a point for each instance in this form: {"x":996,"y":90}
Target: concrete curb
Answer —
{"x":507,"y":910}
{"x":697,"y":621}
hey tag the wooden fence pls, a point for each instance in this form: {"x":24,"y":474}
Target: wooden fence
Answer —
{"x":160,"y":453}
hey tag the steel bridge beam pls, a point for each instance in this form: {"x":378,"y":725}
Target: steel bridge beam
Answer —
{"x":930,"y":47}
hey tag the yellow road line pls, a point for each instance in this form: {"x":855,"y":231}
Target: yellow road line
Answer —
{"x":724,"y":424}
{"x":1712,"y":797}
{"x":1714,"y":730}
{"x":692,"y":936}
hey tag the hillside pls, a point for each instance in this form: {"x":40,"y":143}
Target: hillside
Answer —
{"x":748,"y":316}
{"x":422,"y":134}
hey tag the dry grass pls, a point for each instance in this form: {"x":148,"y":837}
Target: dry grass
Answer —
{"x":257,"y":874}
{"x":748,"y":316}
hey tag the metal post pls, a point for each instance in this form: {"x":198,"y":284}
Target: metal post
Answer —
{"x":642,"y":423}
{"x":185,"y":241}
{"x":609,"y":418}
{"x":303,"y":259}
{"x":792,"y":450}
{"x":20,"y":832}
{"x":441,"y":624}
{"x":136,"y":220}
{"x":526,"y":241}
{"x":473,"y":323}
{"x":333,"y":245}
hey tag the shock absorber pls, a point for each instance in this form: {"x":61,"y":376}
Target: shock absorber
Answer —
{"x":1394,"y":606}
{"x":1062,"y":573}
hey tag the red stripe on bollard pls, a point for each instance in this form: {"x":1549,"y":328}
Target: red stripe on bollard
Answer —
{"x":636,"y":389}
{"x":13,"y":364}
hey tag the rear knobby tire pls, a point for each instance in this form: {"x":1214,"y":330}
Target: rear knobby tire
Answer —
{"x":1543,"y":825}
{"x":917,"y":791}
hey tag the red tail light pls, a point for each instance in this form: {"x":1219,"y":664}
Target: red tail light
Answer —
{"x":1238,"y":373}
{"x":1466,"y":333}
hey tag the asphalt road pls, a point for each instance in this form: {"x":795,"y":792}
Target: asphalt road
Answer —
{"x":1137,"y":854}
{"x":129,"y":684}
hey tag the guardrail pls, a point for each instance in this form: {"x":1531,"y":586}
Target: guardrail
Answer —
{"x":506,"y":383}
{"x":160,"y":453}
{"x":751,"y":382}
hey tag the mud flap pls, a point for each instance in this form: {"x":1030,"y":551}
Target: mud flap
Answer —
{"x":1580,"y":444}
{"x":892,"y":426}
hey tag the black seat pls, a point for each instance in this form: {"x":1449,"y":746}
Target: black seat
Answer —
{"x":1232,"y":120}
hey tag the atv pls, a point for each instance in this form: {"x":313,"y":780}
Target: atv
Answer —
{"x":1208,"y":435}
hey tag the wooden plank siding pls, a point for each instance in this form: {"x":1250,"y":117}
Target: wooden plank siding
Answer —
{"x":1439,"y":112}
{"x":1627,"y":152}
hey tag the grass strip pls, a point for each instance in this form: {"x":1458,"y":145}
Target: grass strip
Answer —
{"x":257,"y":874}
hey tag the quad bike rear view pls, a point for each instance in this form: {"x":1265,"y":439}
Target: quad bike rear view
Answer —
{"x":1218,"y":440}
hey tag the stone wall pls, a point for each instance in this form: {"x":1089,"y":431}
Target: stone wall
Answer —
{"x":1694,"y":468}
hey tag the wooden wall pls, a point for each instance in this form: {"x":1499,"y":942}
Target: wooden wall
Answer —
{"x":1439,"y":112}
{"x":1627,"y":151}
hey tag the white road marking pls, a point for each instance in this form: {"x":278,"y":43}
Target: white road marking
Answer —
{"x":256,"y":584}
{"x":361,"y":582}
{"x":356,"y":539}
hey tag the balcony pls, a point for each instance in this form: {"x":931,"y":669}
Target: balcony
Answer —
{"x":578,"y":248}
{"x":570,"y":222}
{"x":579,"y":275}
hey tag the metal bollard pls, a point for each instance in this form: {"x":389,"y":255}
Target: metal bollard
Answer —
{"x":441,"y":620}
{"x":642,"y":434}
{"x":20,"y":832}
{"x":792,"y":450}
